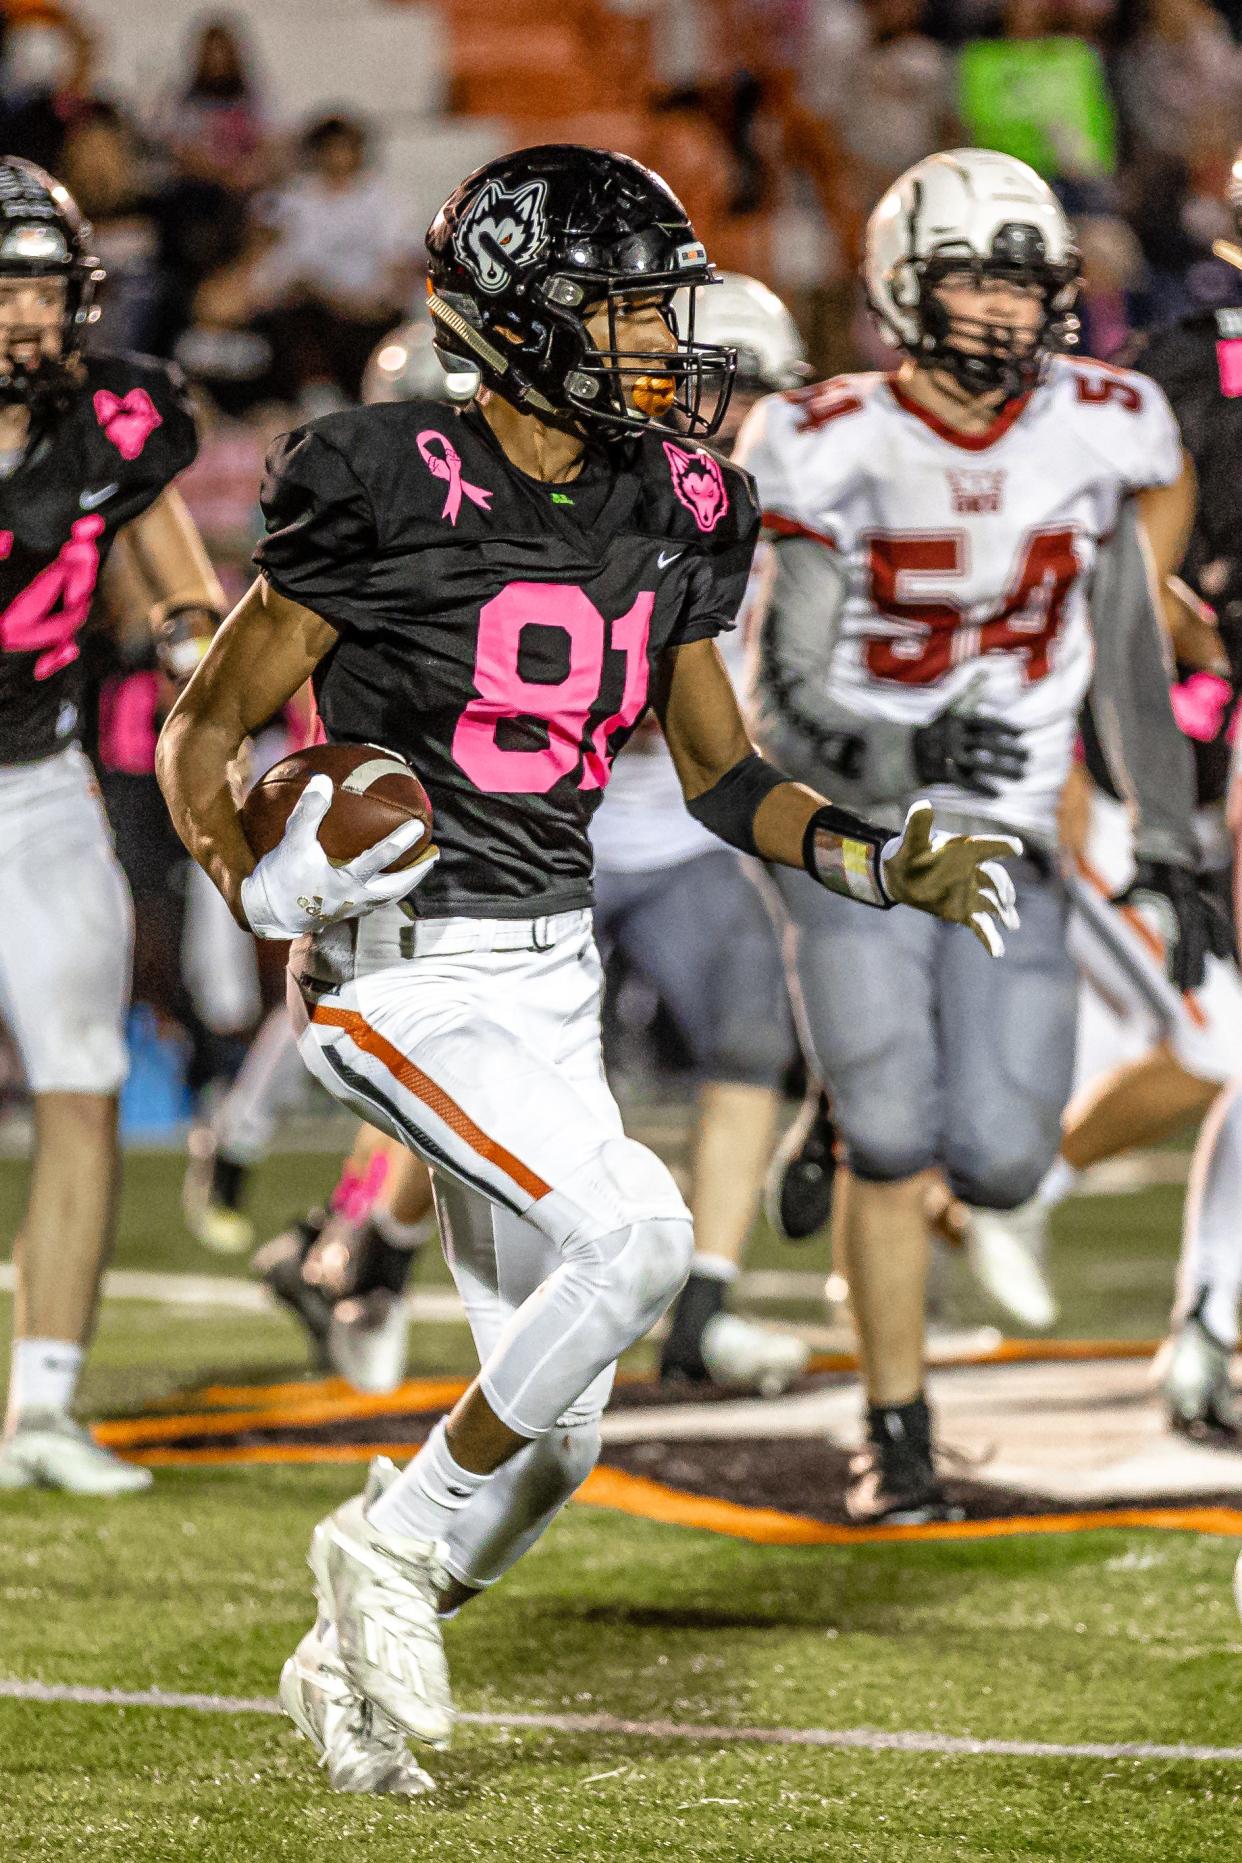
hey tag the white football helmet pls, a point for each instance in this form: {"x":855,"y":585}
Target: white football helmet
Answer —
{"x":407,"y":367}
{"x":976,"y":211}
{"x":740,"y":313}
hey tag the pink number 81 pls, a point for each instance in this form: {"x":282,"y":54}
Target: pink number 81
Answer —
{"x":564,"y":708}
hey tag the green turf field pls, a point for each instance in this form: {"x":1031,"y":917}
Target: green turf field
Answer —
{"x":1102,"y":1637}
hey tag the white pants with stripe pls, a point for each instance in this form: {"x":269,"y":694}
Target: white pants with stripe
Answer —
{"x":1128,"y":1005}
{"x":66,"y":928}
{"x":477,"y":1043}
{"x":1121,"y":959}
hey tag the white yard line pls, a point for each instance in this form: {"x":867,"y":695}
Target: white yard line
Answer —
{"x":855,"y":1739}
{"x":227,"y":1292}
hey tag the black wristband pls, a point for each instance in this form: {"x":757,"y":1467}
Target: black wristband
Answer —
{"x":842,"y":852}
{"x":729,"y":807}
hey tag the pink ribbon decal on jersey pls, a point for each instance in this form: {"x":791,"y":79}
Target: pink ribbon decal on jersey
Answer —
{"x":128,"y":423}
{"x":447,"y":465}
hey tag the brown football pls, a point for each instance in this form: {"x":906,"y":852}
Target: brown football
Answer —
{"x":373,"y":793}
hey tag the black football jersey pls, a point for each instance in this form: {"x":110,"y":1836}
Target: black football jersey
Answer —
{"x":100,"y":463}
{"x":1198,"y":363}
{"x":498,"y":632}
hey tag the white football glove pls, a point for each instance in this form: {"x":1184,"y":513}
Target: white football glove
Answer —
{"x":295,"y":888}
{"x":955,"y":876}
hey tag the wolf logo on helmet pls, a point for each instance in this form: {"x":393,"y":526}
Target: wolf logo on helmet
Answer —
{"x":503,"y":228}
{"x":532,"y":262}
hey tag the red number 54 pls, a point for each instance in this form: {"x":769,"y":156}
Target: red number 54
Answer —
{"x":937,"y":633}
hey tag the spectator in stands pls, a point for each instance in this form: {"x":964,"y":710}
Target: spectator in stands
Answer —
{"x":1179,"y":81}
{"x":896,"y":103}
{"x":342,"y":267}
{"x":214,"y":125}
{"x":46,"y":80}
{"x":101,"y":168}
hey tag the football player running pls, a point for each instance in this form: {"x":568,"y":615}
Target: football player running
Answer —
{"x":954,"y":545}
{"x":89,"y":446}
{"x":689,"y":918}
{"x":497,"y":595}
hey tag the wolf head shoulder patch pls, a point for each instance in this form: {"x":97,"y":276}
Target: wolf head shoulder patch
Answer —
{"x":698,"y":484}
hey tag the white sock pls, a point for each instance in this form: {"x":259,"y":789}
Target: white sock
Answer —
{"x":43,"y":1376}
{"x":713,"y":1267}
{"x":1058,"y":1181}
{"x":405,"y":1236}
{"x":428,"y":1494}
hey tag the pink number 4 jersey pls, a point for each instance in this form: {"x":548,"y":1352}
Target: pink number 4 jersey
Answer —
{"x":967,"y":558}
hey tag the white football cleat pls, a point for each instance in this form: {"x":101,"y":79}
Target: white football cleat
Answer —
{"x":381,"y":1594}
{"x":1007,"y":1250}
{"x":367,"y":1340}
{"x":47,"y":1449}
{"x":739,"y":1354}
{"x":360,"y":1749}
{"x":1192,"y":1372}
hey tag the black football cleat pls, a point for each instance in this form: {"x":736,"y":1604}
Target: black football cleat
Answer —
{"x":279,"y":1263}
{"x":799,"y":1188}
{"x":893,"y":1479}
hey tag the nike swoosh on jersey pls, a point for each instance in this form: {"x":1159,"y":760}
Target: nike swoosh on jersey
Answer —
{"x":663,"y":561}
{"x":89,"y":500}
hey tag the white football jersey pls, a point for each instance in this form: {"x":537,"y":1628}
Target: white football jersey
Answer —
{"x":642,"y":824}
{"x":967,"y":557}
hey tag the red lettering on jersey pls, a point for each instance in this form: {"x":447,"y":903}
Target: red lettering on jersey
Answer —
{"x":1027,"y":620}
{"x":1097,"y":390}
{"x":821,"y":404}
{"x":47,"y":614}
{"x":127,"y":421}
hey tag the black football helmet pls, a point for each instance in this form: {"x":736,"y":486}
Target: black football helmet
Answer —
{"x":43,"y":235}
{"x":529,"y":245}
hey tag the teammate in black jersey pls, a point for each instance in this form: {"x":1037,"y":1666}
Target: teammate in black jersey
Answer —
{"x":498,"y":595}
{"x":88,"y":449}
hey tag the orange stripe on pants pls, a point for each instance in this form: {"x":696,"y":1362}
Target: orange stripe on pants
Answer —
{"x":1142,"y":931}
{"x":423,"y":1088}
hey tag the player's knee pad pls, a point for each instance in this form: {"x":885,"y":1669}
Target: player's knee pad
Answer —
{"x":887,"y":1131}
{"x":998,"y":1182}
{"x":638,"y":1271}
{"x":880,"y":1157}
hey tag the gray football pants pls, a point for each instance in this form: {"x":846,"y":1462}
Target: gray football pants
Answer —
{"x":700,"y":934}
{"x":933,"y":1052}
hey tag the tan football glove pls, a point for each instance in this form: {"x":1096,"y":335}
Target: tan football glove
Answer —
{"x":958,"y":877}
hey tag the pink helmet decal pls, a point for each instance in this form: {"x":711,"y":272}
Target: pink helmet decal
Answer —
{"x":698,"y":484}
{"x":128,"y":423}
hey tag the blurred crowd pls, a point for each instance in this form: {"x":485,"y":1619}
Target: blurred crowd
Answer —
{"x":269,"y":257}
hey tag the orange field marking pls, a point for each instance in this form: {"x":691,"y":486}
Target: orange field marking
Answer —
{"x":643,"y":1499}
